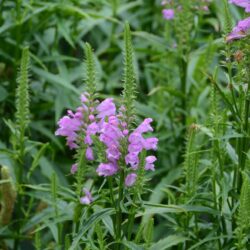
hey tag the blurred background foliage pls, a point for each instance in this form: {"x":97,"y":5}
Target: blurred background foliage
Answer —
{"x":56,"y":31}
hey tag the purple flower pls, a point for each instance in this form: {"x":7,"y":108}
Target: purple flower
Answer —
{"x":106,"y":108}
{"x":132,"y":159}
{"x":150,"y":143}
{"x":110,"y":136}
{"x":240,"y":31}
{"x":73,"y":169}
{"x":144,"y":126}
{"x":130,"y":179}
{"x":111,"y":130}
{"x":125,"y":132}
{"x":89,"y":154}
{"x":149,"y":163}
{"x":92,"y":129}
{"x":136,"y":142}
{"x":107,"y":169}
{"x":205,"y":8}
{"x":168,"y":14}
{"x":113,"y":153}
{"x":87,"y":199}
{"x":242,"y":3}
{"x":91,"y":117}
{"x":84,"y":99}
{"x":68,"y":126}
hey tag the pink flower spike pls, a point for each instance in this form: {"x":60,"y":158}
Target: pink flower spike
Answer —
{"x":130,"y":179}
{"x":73,"y":169}
{"x":149,"y":163}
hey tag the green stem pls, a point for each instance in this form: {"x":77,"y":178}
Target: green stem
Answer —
{"x":243,"y":145}
{"x":183,"y":75}
{"x":110,"y":182}
{"x":18,"y":29}
{"x":216,"y":206}
{"x":119,"y":211}
{"x":21,"y":156}
{"x":131,"y":218}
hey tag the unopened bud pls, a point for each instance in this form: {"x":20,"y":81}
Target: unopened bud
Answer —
{"x":238,"y":55}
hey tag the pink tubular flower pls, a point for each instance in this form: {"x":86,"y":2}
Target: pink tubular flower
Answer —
{"x":240,"y":31}
{"x":110,"y":135}
{"x":89,"y":154}
{"x":73,"y":169}
{"x":125,"y":132}
{"x":150,"y":143}
{"x":91,"y":117}
{"x":149,"y":162}
{"x":242,"y":3}
{"x":84,"y":98}
{"x":92,"y":129}
{"x":87,"y":199}
{"x":130,"y":179}
{"x":168,"y":14}
{"x":106,"y":108}
{"x":137,"y":143}
{"x":68,"y":126}
{"x":107,"y":169}
{"x":144,"y":126}
{"x":113,"y":153}
{"x":132,"y":159}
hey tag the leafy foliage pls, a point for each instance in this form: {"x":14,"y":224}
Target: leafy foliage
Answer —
{"x":178,"y":72}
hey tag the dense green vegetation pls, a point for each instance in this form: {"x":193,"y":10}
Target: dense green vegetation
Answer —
{"x":184,"y":73}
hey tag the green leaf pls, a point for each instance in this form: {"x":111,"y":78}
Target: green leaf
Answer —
{"x":94,"y":218}
{"x":207,"y":240}
{"x":55,"y":79}
{"x":132,"y":246}
{"x":37,"y":157}
{"x":168,"y":242}
{"x":3,"y":93}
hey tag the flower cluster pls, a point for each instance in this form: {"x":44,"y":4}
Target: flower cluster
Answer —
{"x":122,"y":147}
{"x":242,"y":29}
{"x":74,"y":124}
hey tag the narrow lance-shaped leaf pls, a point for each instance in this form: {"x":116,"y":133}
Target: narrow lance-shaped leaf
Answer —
{"x":191,"y":160}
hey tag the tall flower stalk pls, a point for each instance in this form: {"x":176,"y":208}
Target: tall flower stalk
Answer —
{"x":105,"y":136}
{"x":22,"y":121}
